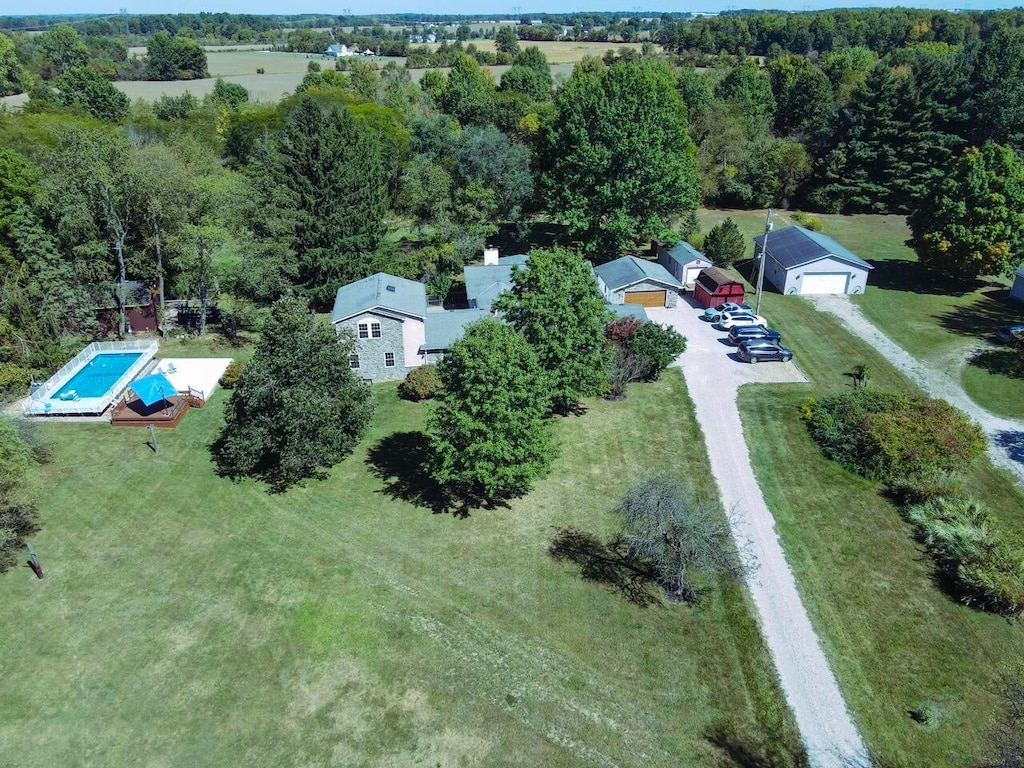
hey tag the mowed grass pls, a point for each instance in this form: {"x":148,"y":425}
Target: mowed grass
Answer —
{"x":894,"y":636}
{"x":940,"y":322}
{"x":186,"y":620}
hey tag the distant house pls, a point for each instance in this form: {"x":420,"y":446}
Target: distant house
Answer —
{"x":631,"y":280}
{"x":1017,"y":291}
{"x":801,"y":262}
{"x":386,"y":316}
{"x":484,"y":283}
{"x":684,"y":262}
{"x":715,"y":286}
{"x":340,"y":50}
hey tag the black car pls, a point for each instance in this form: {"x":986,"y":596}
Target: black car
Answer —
{"x":756,"y":350}
{"x":1010,"y":333}
{"x":747,"y":332}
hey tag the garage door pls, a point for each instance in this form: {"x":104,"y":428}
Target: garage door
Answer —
{"x":691,"y":275}
{"x":646,"y":298}
{"x":834,"y":282}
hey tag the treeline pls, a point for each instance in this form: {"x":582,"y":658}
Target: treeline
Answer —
{"x":881,"y":30}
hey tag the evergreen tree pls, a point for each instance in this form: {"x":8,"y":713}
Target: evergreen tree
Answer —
{"x":971,"y":219}
{"x":297,"y":409}
{"x":556,"y":304}
{"x":616,"y":157}
{"x":997,"y":86}
{"x":326,"y":189}
{"x":488,"y":436}
{"x":724,"y":244}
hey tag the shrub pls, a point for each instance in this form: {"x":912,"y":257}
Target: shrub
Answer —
{"x":17,"y":523}
{"x":260,"y":71}
{"x":985,"y":564}
{"x":886,"y":435}
{"x":232,"y":374}
{"x":622,"y":329}
{"x":926,"y":713}
{"x":421,"y":383}
{"x":926,"y":486}
{"x":657,"y":346}
{"x":807,"y":221}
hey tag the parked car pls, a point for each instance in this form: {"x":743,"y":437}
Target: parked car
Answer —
{"x":1010,"y":333}
{"x":711,"y":314}
{"x":756,"y":350}
{"x":739,"y":333}
{"x":731,"y":319}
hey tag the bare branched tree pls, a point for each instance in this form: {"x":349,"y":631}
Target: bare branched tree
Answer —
{"x":686,"y":539}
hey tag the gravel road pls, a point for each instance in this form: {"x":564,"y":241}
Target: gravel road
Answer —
{"x":713,"y":375}
{"x":1006,"y":436}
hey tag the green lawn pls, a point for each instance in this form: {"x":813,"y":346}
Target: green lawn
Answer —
{"x":894,"y":637}
{"x":185,"y":620}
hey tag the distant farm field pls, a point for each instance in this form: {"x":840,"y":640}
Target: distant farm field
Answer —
{"x":559,"y":52}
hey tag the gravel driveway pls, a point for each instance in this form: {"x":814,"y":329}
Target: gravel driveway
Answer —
{"x":1006,"y":436}
{"x":713,"y":376}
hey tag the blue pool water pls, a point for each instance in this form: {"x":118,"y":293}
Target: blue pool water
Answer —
{"x":97,"y":376}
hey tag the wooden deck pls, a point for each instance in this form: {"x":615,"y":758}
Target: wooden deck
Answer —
{"x":167,"y":414}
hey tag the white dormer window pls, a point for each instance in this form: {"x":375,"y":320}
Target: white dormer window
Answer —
{"x":375,"y":330}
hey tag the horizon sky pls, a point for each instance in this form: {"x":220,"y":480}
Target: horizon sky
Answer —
{"x":503,"y":10}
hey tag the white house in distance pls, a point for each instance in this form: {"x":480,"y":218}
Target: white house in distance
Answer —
{"x":684,"y":262}
{"x":799,"y":262}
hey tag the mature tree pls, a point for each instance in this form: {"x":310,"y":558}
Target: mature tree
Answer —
{"x":297,"y":410}
{"x":326,"y":189}
{"x":86,"y":88}
{"x":12,"y":75}
{"x":971,"y":221}
{"x":686,"y":539}
{"x":616,"y":157}
{"x":506,"y":40}
{"x":486,"y":161}
{"x":804,"y":97}
{"x":229,"y":95}
{"x":1005,"y":748}
{"x":529,"y":74}
{"x":557,"y":306}
{"x":751,"y":89}
{"x":61,"y":50}
{"x":425,"y":190}
{"x":656,"y":347}
{"x":697,"y":95}
{"x":174,"y":58}
{"x":997,"y":88}
{"x":468,"y":93}
{"x":725,"y":244}
{"x":488,"y":436}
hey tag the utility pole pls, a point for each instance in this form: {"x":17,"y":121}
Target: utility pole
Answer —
{"x":760,"y":269}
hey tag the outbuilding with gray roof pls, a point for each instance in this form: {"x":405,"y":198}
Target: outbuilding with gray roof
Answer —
{"x":801,"y":262}
{"x":1017,"y":291}
{"x":632,"y":280}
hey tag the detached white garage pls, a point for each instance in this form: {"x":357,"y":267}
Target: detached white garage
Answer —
{"x":799,"y":262}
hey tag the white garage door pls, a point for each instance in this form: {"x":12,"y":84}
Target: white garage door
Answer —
{"x":834,"y":282}
{"x":691,"y":276}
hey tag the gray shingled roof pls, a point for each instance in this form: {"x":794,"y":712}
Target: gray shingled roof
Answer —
{"x":384,"y":291}
{"x":442,"y":328}
{"x":794,"y":246}
{"x":629,"y":270}
{"x":629,"y":310}
{"x":684,"y":253}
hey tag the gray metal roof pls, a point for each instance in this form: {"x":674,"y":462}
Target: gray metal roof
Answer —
{"x":684,"y":253}
{"x":381,"y":290}
{"x":629,"y":310}
{"x":442,"y":328}
{"x":794,"y":246}
{"x":629,"y":270}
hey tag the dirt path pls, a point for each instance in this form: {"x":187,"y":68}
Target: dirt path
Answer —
{"x":1006,"y":436}
{"x":713,"y":376}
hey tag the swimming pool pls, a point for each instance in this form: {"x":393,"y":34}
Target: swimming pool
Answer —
{"x":92,"y":380}
{"x":97,"y":376}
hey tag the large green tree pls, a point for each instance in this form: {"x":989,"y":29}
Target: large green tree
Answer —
{"x":174,"y":58}
{"x":86,"y":88}
{"x":617,"y":161}
{"x":468,"y":94}
{"x":326,"y":195}
{"x":488,"y":435}
{"x":297,"y":410}
{"x":971,"y":220}
{"x":12,"y":74}
{"x":997,"y":90}
{"x":556,"y":304}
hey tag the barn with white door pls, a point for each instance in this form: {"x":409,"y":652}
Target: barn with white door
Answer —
{"x":799,"y":262}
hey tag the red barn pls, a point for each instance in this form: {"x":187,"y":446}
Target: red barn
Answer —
{"x":715,"y":286}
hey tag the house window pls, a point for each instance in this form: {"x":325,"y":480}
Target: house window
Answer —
{"x":353,"y":361}
{"x":389,"y":359}
{"x":364,"y":331}
{"x":375,"y":330}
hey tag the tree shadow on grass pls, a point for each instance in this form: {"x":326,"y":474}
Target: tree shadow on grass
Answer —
{"x":608,"y":564}
{"x":742,"y":750}
{"x":904,"y":275}
{"x":982,"y":318}
{"x":1011,"y":441}
{"x":1003,"y":362}
{"x":402,"y":460}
